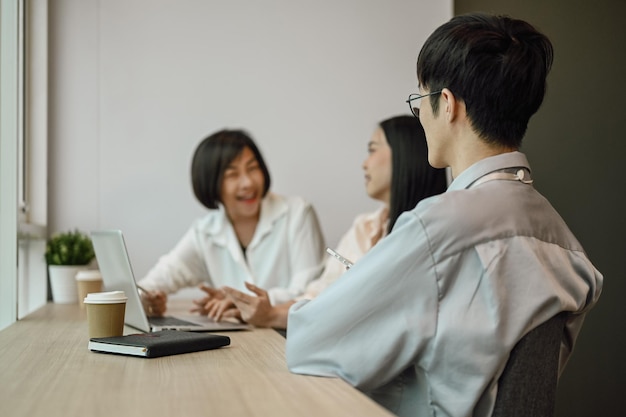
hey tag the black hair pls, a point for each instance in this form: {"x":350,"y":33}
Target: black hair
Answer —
{"x":496,"y":65}
{"x":212,"y":157}
{"x":412,"y":177}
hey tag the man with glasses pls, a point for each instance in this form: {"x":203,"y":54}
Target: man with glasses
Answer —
{"x":426,"y":320}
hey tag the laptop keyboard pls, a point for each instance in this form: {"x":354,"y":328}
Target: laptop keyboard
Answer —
{"x":170,"y":321}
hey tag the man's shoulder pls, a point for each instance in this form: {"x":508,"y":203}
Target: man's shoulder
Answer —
{"x":495,"y":210}
{"x":498,"y":197}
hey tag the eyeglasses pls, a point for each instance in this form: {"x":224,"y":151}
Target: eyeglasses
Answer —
{"x":412,"y":97}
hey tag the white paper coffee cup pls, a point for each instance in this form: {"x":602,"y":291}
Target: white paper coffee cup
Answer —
{"x":105,"y":313}
{"x":88,"y":281}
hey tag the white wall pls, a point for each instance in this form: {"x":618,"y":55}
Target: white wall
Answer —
{"x":136,"y":84}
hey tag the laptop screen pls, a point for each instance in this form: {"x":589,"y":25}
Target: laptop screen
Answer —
{"x":117,"y":274}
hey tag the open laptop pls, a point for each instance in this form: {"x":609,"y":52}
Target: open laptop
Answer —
{"x":117,"y":274}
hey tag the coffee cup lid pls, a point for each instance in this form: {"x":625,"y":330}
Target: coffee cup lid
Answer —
{"x":88,"y":275}
{"x":111,"y":297}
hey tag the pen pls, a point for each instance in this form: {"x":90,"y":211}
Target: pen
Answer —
{"x":143,"y":289}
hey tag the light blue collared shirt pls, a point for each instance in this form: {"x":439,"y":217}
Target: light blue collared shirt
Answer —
{"x":431,"y":313}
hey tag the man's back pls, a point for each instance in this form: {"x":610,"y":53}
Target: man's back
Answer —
{"x":506,"y":262}
{"x":450,"y":291}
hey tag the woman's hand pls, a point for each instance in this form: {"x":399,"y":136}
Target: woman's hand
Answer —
{"x":257,"y":309}
{"x":154,"y":302}
{"x":215,"y":305}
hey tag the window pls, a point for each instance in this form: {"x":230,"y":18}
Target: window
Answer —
{"x":23,"y":155}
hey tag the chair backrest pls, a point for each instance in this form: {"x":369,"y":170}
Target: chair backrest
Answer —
{"x":528,"y":384}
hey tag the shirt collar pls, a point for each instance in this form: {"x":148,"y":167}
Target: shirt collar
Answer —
{"x":218,"y":225}
{"x":485,"y":166}
{"x":272,"y":209}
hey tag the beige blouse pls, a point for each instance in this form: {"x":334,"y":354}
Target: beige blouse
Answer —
{"x":367,"y":229}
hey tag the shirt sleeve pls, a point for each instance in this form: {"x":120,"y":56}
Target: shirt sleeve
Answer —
{"x":306,"y":249}
{"x":182,"y":267}
{"x":371,"y":324}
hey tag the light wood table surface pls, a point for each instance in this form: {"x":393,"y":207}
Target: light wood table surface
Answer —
{"x":47,"y":370}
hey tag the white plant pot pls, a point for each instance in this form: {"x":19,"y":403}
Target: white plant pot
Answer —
{"x":63,"y":283}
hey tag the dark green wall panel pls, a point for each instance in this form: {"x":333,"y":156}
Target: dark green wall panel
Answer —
{"x":576,"y":145}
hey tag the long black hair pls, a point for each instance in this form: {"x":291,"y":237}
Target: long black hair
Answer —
{"x":412,"y":177}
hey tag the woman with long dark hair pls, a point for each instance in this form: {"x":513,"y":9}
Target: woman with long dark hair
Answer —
{"x":397,"y":173}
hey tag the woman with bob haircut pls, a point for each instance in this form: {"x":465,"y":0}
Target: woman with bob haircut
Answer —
{"x":397,"y":174}
{"x":248,"y":235}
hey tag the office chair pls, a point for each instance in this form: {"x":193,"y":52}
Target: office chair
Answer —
{"x":527,"y":387}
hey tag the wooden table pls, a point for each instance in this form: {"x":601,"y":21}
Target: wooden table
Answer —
{"x":47,"y":370}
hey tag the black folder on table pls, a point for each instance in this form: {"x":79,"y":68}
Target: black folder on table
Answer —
{"x":155,"y":344}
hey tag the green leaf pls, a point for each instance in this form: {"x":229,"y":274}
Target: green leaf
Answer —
{"x":69,"y":248}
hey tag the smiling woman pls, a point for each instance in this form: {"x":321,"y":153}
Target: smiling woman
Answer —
{"x":243,"y":186}
{"x":249,"y":234}
{"x":228,"y":168}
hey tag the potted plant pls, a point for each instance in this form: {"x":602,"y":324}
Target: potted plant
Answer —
{"x":66,"y":254}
